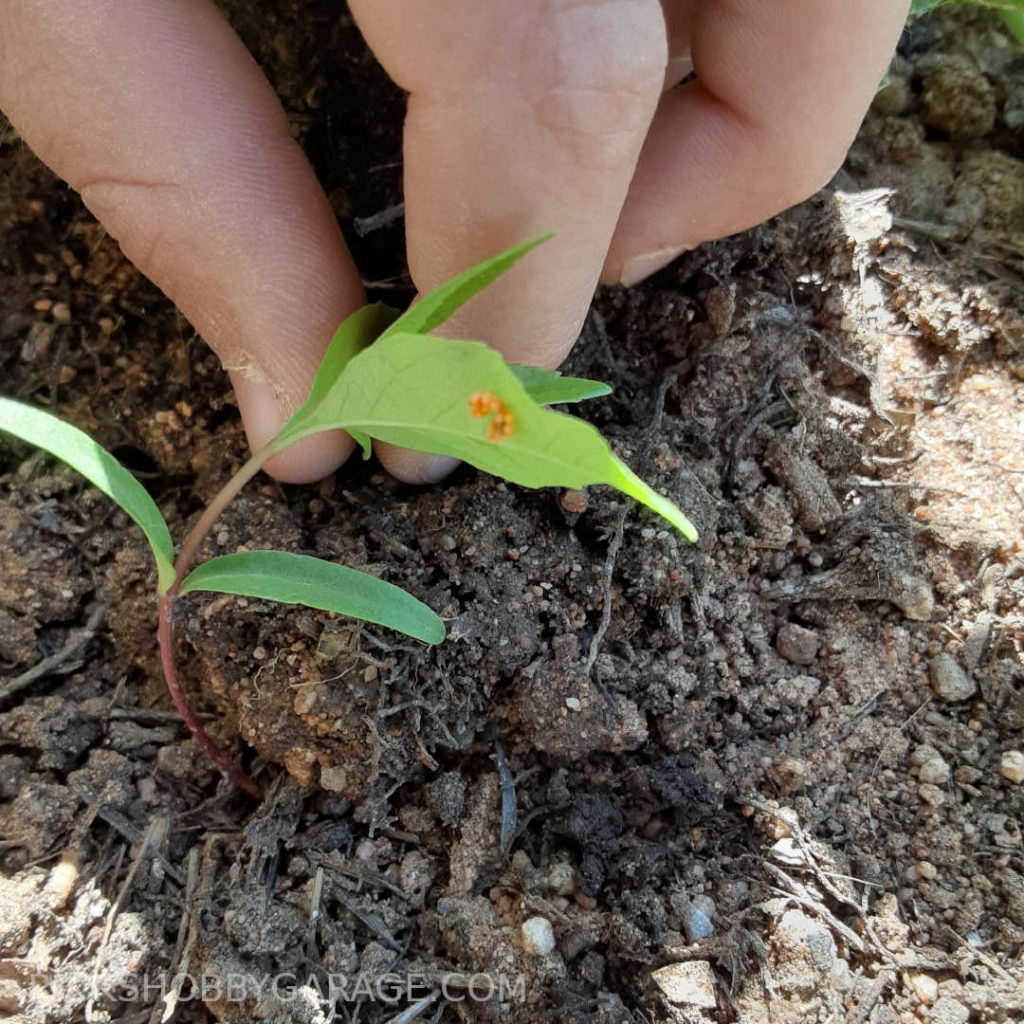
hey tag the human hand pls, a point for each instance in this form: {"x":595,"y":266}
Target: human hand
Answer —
{"x":524,"y":116}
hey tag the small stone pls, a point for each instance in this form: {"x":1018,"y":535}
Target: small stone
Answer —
{"x":705,"y":904}
{"x":333,"y":779}
{"x":573,"y":502}
{"x":538,"y":936}
{"x":925,"y":987}
{"x":787,"y":851}
{"x":931,"y":795}
{"x":1011,"y":766}
{"x":797,"y":644}
{"x":949,"y":680}
{"x":923,"y":752}
{"x":691,"y":983}
{"x":61,"y":312}
{"x":447,"y":542}
{"x":365,"y":849}
{"x":926,"y":870}
{"x":573,"y":703}
{"x":934,"y":770}
{"x":696,"y":924}
{"x":562,"y":878}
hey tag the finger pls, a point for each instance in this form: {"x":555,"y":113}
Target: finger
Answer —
{"x":154,"y":111}
{"x":524,"y":116}
{"x":780,"y":91}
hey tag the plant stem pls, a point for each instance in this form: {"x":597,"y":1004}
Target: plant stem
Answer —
{"x":165,"y":634}
{"x":165,"y":610}
{"x":223,"y":498}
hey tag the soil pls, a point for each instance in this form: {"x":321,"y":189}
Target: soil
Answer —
{"x":783,"y":784}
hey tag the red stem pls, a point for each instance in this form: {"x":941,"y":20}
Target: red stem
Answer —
{"x":165,"y":635}
{"x":165,"y":610}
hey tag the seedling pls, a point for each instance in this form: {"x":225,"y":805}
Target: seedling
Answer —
{"x":409,"y":388}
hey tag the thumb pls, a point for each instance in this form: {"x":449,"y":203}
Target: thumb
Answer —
{"x":154,"y":111}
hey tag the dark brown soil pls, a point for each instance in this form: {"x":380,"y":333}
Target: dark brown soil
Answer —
{"x":795,"y":759}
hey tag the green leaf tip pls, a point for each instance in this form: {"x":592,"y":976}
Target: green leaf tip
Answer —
{"x":549,"y":387}
{"x":301,"y":579}
{"x":100,"y":468}
{"x":433,"y":309}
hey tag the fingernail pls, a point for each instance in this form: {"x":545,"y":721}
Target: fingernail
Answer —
{"x":638,"y":267}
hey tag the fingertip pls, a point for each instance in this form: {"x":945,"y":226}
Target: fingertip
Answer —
{"x":306,"y":461}
{"x":311,"y":459}
{"x":414,"y":467}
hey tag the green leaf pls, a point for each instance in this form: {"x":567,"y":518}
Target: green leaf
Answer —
{"x":417,"y":391}
{"x":549,"y":387}
{"x":101,"y":469}
{"x":300,"y":579}
{"x":352,"y":336}
{"x":432,"y":310}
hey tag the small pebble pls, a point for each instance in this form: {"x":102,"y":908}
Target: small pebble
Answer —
{"x":926,"y":870}
{"x":691,"y":983}
{"x":931,"y":795}
{"x":797,"y":644}
{"x":573,"y":502}
{"x":573,"y":703}
{"x":538,"y":936}
{"x":925,"y":987}
{"x":696,"y":924}
{"x":949,"y":680}
{"x":787,"y":851}
{"x":61,"y":313}
{"x":1011,"y":766}
{"x":562,"y":878}
{"x":934,"y":770}
{"x":705,"y":904}
{"x":365,"y":849}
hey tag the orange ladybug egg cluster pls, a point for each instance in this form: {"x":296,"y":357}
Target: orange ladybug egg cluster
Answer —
{"x":503,"y":426}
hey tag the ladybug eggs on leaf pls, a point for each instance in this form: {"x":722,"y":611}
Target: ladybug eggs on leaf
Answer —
{"x":483,"y":403}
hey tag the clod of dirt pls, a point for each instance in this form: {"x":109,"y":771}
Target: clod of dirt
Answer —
{"x":817,"y":506}
{"x":556,"y":710}
{"x":956,"y":97}
{"x":447,"y":796}
{"x":797,"y":644}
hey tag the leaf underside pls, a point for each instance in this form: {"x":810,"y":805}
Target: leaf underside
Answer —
{"x":102,"y":470}
{"x":418,"y":392}
{"x":301,"y":579}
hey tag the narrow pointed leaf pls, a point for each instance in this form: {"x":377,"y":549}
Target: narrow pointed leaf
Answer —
{"x":101,"y":469}
{"x":549,"y":387}
{"x":356,"y":332}
{"x":432,"y":310}
{"x":352,"y":336}
{"x":422,"y":392}
{"x":300,"y":579}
